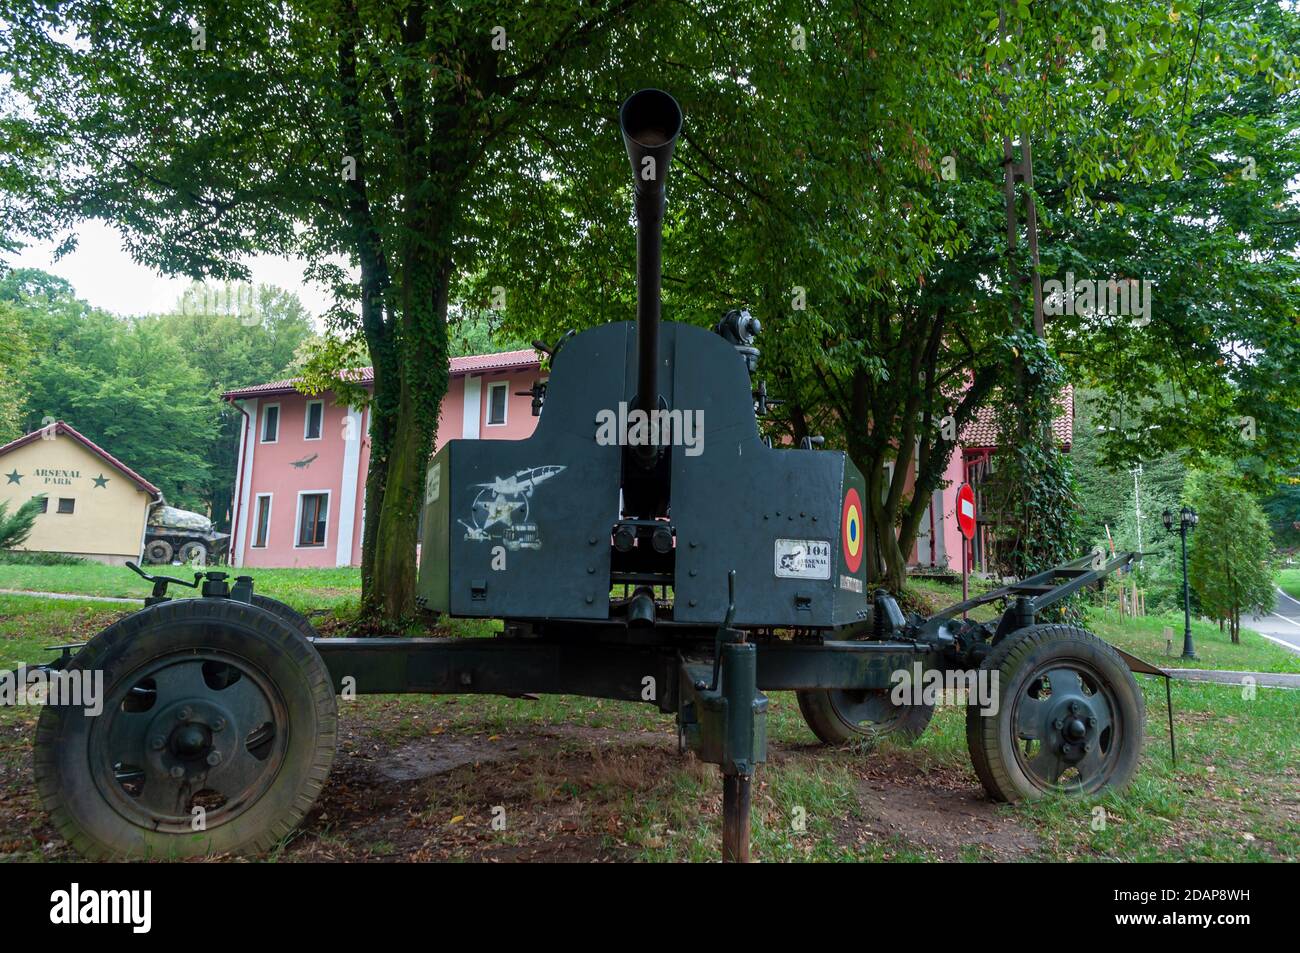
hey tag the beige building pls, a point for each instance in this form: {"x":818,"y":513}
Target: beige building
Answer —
{"x":96,"y":506}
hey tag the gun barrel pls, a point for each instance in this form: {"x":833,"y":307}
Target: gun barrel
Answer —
{"x":650,"y":121}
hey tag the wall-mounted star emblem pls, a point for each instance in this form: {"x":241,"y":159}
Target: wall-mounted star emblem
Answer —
{"x":100,"y":481}
{"x":15,"y":477}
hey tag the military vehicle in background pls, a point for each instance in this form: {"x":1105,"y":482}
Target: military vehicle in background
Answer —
{"x":175,"y":535}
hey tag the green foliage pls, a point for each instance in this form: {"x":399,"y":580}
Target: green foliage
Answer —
{"x":14,"y":355}
{"x":1214,"y":369}
{"x":360,"y":131}
{"x":477,"y":331}
{"x":817,"y":195}
{"x":1282,"y":507}
{"x":234,"y":335}
{"x":148,"y":389}
{"x":1110,"y":497}
{"x":15,"y":528}
{"x":1031,"y":498}
{"x":125,"y":384}
{"x":1230,"y":552}
{"x":809,"y":184}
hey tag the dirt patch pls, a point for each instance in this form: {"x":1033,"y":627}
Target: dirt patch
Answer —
{"x":439,"y":755}
{"x":609,"y":737}
{"x":529,"y":795}
{"x":945,"y":813}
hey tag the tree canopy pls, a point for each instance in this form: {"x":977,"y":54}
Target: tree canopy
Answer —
{"x":844,"y":171}
{"x":149,"y":388}
{"x":1230,"y":552}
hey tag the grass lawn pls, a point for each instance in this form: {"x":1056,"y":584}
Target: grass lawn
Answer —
{"x":1289,"y":582}
{"x":420,"y":777}
{"x":303,"y":589}
{"x":1145,"y":638}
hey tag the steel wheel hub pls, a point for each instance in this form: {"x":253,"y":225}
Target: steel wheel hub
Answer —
{"x":1064,"y":719}
{"x":193,"y":735}
{"x":183,"y":733}
{"x":871,"y":706}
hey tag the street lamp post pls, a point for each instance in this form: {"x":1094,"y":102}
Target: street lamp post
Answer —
{"x":1186,"y":520}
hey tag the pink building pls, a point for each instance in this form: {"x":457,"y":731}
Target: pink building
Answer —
{"x":939,"y":542}
{"x":300,"y":481}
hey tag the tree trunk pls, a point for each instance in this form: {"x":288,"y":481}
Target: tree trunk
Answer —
{"x":880,"y":514}
{"x":392,"y":589}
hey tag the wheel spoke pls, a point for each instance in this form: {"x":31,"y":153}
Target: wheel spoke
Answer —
{"x":1092,"y":765}
{"x":1101,"y":711}
{"x":1048,"y":765}
{"x":234,"y":777}
{"x":164,"y":796}
{"x":181,"y":681}
{"x":1030,"y":717}
{"x":246,"y":703}
{"x":1065,"y":681}
{"x":125,"y":741}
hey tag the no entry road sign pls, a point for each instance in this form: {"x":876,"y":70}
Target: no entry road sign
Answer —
{"x":966,"y":511}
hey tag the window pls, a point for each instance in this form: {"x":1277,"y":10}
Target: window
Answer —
{"x":313,"y":508}
{"x":43,"y":506}
{"x":315,"y":417}
{"x":271,"y":423}
{"x":66,"y":505}
{"x":497,"y":393}
{"x":262,"y":521}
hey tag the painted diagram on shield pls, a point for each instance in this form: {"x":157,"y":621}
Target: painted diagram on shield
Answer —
{"x":502,"y":511}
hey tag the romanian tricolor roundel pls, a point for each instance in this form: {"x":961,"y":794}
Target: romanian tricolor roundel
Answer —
{"x":851,"y":530}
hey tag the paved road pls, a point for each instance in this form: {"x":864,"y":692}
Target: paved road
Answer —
{"x":1282,"y":625}
{"x":1266,"y":679}
{"x":68,"y":595}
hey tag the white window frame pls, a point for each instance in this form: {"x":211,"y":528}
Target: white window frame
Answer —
{"x":306,"y":419}
{"x":261,"y":425}
{"x":505,"y":408}
{"x":257,"y":502}
{"x":297,"y":520}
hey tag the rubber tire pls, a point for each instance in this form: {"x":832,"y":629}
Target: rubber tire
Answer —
{"x":287,"y":614}
{"x":1022,"y":652}
{"x":69,"y":793}
{"x":158,"y":552}
{"x":187,"y":554}
{"x":832,"y":729}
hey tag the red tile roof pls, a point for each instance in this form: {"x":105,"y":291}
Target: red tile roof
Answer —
{"x":472,"y":364}
{"x":982,"y":432}
{"x":59,"y":427}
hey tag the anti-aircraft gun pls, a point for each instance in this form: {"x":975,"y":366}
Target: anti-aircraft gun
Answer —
{"x":644,"y":544}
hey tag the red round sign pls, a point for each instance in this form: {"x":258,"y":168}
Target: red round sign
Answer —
{"x":966,"y":511}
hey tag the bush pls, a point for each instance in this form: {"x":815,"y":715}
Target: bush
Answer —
{"x":17,"y":557}
{"x":15,"y":529}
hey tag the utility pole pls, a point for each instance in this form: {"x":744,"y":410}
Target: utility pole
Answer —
{"x":1137,"y":502}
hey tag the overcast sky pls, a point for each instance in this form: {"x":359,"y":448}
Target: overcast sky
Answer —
{"x":102,"y":273}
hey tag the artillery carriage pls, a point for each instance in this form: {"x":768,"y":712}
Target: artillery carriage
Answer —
{"x":683,"y":562}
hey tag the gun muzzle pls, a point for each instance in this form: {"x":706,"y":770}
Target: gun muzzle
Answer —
{"x":650,"y":121}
